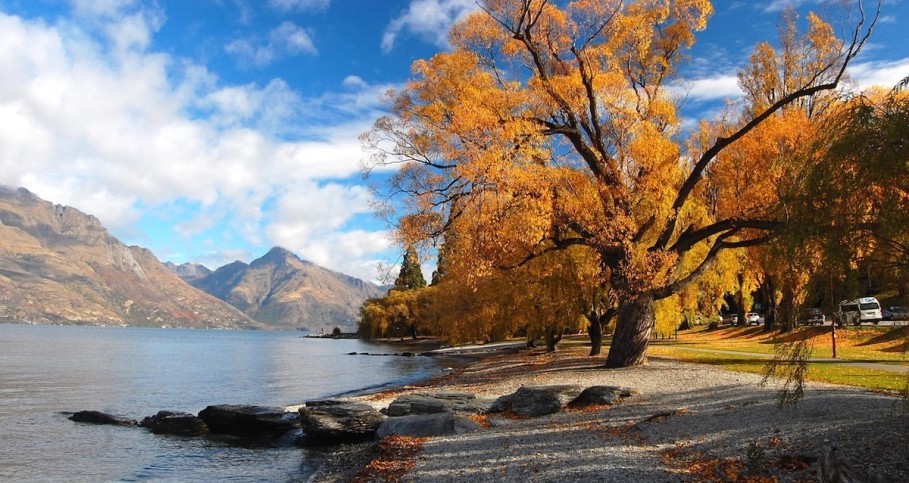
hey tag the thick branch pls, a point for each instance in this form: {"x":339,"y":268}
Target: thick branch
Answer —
{"x":693,"y":237}
{"x":858,"y":41}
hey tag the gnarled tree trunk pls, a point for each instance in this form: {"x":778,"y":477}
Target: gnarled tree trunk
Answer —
{"x":632,"y":333}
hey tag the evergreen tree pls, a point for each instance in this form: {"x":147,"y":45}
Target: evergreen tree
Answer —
{"x":411,"y":275}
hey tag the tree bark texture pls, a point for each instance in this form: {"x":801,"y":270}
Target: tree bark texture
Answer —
{"x":632,"y":333}
{"x":595,"y":330}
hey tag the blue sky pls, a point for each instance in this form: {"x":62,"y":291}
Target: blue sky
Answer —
{"x":212,"y":130}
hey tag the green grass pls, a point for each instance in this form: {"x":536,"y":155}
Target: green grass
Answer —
{"x":867,"y":344}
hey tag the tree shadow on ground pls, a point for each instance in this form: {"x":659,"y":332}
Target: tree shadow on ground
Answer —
{"x":901,"y":333}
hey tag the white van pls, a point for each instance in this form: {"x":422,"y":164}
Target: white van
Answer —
{"x":865,"y":309}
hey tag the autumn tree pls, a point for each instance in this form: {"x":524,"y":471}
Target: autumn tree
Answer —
{"x":401,"y":313}
{"x":540,"y":299}
{"x":549,"y":127}
{"x":403,"y":309}
{"x":861,"y":187}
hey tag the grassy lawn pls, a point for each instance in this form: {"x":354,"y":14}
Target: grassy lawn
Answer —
{"x":868,"y":344}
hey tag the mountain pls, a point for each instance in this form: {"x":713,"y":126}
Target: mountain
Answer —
{"x":283,"y":291}
{"x":188,"y":271}
{"x":59,"y":265}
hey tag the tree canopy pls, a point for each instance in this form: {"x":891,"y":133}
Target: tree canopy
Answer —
{"x":553,"y":127}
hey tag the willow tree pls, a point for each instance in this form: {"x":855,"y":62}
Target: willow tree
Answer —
{"x":568,"y":116}
{"x":862,"y":186}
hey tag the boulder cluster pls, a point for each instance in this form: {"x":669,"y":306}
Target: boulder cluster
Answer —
{"x":335,"y":421}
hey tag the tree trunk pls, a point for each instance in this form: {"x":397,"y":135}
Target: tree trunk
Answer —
{"x":769,"y":290}
{"x":595,"y":330}
{"x":787,"y":309}
{"x":632,"y":333}
{"x":598,"y":323}
{"x":553,"y":337}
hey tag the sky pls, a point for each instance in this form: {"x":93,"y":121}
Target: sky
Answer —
{"x":210,"y":131}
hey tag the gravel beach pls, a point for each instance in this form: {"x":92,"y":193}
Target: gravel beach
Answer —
{"x":686,"y":422}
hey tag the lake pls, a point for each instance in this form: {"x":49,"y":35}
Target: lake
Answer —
{"x":47,"y":371}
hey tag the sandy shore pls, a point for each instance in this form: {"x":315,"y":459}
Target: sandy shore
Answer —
{"x":687,"y":422}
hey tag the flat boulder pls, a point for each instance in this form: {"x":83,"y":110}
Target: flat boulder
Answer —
{"x":434,"y":403}
{"x":601,"y":396}
{"x":257,"y":422}
{"x":426,"y":425}
{"x":175,"y":423}
{"x":333,"y":421}
{"x":98,"y":417}
{"x":530,"y":401}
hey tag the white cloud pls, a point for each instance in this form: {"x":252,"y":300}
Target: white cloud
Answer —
{"x":725,"y":86}
{"x":113,"y":134}
{"x":780,"y":5}
{"x":309,"y":219}
{"x":101,"y":8}
{"x":285,"y":39}
{"x":354,"y":82}
{"x":290,"y":5}
{"x":293,"y":39}
{"x":429,"y":20}
{"x":881,"y":73}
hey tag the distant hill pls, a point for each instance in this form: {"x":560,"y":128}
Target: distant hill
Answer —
{"x":283,"y":291}
{"x":59,"y":265}
{"x":188,"y":271}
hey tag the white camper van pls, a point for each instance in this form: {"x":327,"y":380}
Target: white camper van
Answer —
{"x":854,"y":312}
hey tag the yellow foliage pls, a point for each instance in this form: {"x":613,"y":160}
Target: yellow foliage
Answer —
{"x":546,"y":146}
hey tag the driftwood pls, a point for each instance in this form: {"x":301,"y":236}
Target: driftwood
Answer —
{"x":658,"y":417}
{"x":832,"y":469}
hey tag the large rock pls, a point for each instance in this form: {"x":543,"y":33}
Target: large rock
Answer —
{"x":434,"y":403}
{"x":258,"y":422}
{"x":424,"y":425}
{"x":334,"y":421}
{"x":97,"y":417}
{"x":531,"y":401}
{"x":601,"y":396}
{"x":175,"y":423}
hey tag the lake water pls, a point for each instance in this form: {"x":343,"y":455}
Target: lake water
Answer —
{"x":47,"y":371}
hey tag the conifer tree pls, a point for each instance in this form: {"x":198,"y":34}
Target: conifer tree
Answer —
{"x":411,"y":275}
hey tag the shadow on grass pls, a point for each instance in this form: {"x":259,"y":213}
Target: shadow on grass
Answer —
{"x":890,"y":336}
{"x":724,"y":361}
{"x":904,"y":347}
{"x":798,"y":335}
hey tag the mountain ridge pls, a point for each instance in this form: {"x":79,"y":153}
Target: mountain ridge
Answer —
{"x":59,"y":265}
{"x":284,"y":291}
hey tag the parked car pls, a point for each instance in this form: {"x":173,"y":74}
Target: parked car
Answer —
{"x":854,"y":312}
{"x":731,"y":319}
{"x":814,"y":316}
{"x":898,"y":312}
{"x":753,"y":318}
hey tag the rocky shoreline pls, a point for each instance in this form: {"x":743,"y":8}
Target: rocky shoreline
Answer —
{"x":527,"y":415}
{"x":686,"y":422}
